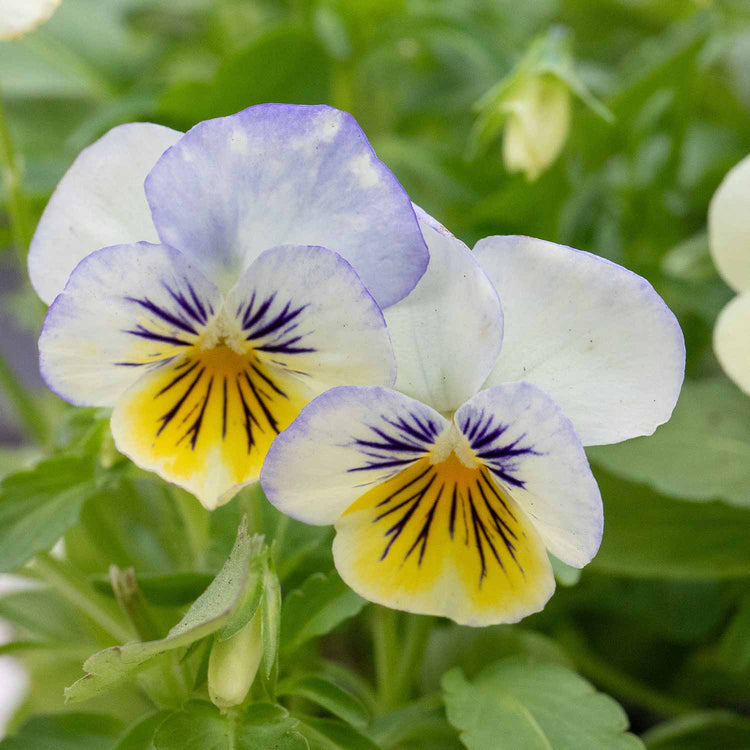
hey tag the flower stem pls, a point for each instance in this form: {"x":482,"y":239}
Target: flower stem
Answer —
{"x":18,"y":209}
{"x":73,"y":587}
{"x":418,"y":629}
{"x":384,"y":636}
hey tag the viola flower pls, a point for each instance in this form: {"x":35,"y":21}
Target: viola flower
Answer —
{"x":729,"y":239}
{"x":448,"y":495}
{"x":272,"y":239}
{"x":18,"y":17}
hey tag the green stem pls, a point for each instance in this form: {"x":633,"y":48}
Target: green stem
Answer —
{"x":73,"y":587}
{"x":32,"y":418}
{"x":385,"y":637}
{"x":418,"y":629}
{"x":621,"y":685}
{"x":18,"y":209}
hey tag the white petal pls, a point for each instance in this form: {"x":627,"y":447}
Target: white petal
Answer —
{"x":447,"y":333}
{"x":732,"y":340}
{"x":17,"y":17}
{"x":123,"y":309}
{"x":342,"y":443}
{"x":99,"y":202}
{"x":729,"y":227}
{"x":591,"y":334}
{"x":533,"y":452}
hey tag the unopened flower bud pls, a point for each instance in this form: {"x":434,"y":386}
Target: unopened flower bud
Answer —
{"x":233,"y":664}
{"x":537,"y":124}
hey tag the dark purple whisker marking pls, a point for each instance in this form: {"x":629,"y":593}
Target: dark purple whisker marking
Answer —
{"x":273,"y":332}
{"x":500,"y":458}
{"x":487,"y":519}
{"x":397,"y":442}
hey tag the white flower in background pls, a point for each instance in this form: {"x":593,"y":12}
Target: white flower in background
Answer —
{"x":280,"y":236}
{"x":729,"y":240}
{"x":17,"y":17}
{"x":448,"y":493}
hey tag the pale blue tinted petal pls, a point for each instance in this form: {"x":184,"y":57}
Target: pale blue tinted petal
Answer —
{"x":344,"y":442}
{"x":123,"y":310}
{"x":280,"y":174}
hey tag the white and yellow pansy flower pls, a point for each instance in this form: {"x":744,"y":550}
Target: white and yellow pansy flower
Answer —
{"x":272,"y":240}
{"x":18,"y":17}
{"x":729,"y":238}
{"x":448,"y":494}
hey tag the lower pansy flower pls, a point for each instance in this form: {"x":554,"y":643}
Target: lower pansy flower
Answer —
{"x":448,"y":493}
{"x":275,"y":238}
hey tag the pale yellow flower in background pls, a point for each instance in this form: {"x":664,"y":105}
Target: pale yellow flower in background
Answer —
{"x":537,"y":124}
{"x":17,"y":17}
{"x":729,"y":239}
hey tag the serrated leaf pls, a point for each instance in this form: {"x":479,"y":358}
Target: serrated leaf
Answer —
{"x":652,"y":536}
{"x":702,"y":453}
{"x":210,"y":612}
{"x":318,"y":606}
{"x":329,"y":695}
{"x":72,"y":731}
{"x":39,"y":505}
{"x":202,"y":727}
{"x":517,"y":705}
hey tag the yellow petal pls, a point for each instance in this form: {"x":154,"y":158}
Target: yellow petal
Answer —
{"x":205,"y":420}
{"x":444,"y":539}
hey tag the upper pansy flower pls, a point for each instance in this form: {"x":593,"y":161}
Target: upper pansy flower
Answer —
{"x":280,"y":235}
{"x":448,"y":495}
{"x":729,"y":237}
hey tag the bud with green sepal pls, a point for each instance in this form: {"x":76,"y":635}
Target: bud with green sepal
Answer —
{"x":532,"y":107}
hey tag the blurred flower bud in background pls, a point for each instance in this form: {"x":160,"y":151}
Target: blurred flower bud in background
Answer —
{"x":17,"y":17}
{"x":537,"y":125}
{"x":532,"y":107}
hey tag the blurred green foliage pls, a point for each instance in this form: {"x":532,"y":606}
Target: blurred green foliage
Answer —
{"x":661,"y":619}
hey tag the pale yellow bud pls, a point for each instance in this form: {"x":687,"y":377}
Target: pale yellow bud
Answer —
{"x":537,"y":124}
{"x":233,"y":664}
{"x":20,"y":16}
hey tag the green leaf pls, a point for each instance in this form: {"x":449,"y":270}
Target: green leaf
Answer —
{"x":734,"y":647}
{"x":328,"y":734}
{"x":72,"y":731}
{"x":285,"y":65}
{"x":652,"y":536}
{"x":329,"y":695}
{"x":39,"y":505}
{"x":210,"y":612}
{"x":523,"y":706}
{"x":201,"y":727}
{"x":140,"y":735}
{"x":318,"y":606}
{"x":703,"y":452}
{"x":707,"y":730}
